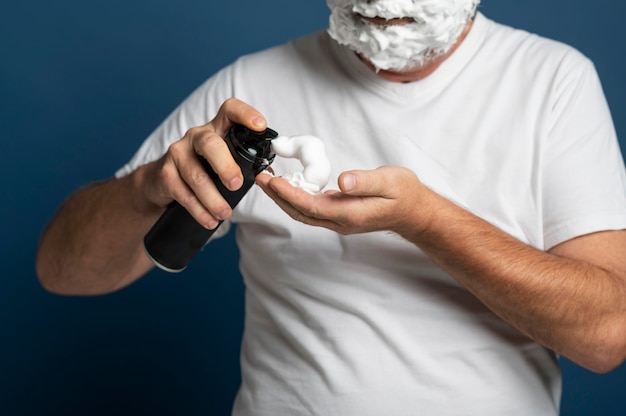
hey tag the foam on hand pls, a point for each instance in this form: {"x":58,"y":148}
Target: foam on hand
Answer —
{"x":311,"y":152}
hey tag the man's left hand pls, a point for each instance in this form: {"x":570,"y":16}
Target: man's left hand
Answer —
{"x":387,"y":198}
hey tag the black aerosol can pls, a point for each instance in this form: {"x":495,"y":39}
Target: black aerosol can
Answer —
{"x":177,"y":237}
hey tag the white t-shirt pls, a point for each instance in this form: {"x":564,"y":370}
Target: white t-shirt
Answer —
{"x":512,"y":126}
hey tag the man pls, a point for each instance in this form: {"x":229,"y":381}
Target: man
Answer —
{"x":477,"y":232}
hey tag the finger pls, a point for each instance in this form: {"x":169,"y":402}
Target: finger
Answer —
{"x":198,"y":211}
{"x":198,"y":192}
{"x":263,"y":178}
{"x":328,"y":207}
{"x":185,"y":196}
{"x":366,"y":182}
{"x":211,"y":146}
{"x":297,"y":203}
{"x":296,"y":197}
{"x":234,"y":111}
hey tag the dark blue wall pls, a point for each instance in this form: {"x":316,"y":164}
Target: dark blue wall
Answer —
{"x":81,"y":84}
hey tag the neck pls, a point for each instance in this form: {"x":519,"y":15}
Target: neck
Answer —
{"x":421,"y":72}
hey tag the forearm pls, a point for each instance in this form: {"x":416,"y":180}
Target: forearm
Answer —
{"x":573,"y":303}
{"x":570,"y":306}
{"x":94,"y":243}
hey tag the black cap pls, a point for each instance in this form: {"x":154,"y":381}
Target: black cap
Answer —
{"x":252,"y":144}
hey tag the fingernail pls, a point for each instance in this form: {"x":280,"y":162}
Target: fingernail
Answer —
{"x":223,"y":214}
{"x":235,"y":184}
{"x":211,"y":224}
{"x":349,"y":182}
{"x":258,"y":121}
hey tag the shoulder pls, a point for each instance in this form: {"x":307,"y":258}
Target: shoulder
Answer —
{"x":529,"y":51}
{"x":294,"y":68}
{"x":297,"y":51}
{"x":257,"y":72}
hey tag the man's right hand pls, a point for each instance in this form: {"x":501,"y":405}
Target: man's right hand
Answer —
{"x":179,"y":175}
{"x":94,"y":244}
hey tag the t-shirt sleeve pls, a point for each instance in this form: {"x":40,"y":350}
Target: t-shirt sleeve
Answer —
{"x":196,"y":110}
{"x":584,"y":182}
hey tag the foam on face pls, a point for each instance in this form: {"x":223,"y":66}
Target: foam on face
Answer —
{"x":436,"y":26}
{"x":311,"y":153}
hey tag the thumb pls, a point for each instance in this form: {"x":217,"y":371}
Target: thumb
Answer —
{"x":364,"y":182}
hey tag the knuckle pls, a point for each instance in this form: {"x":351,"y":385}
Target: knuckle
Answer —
{"x":229,"y":102}
{"x":168,"y":175}
{"x":176,"y":149}
{"x":191,"y":132}
{"x":207,"y":142}
{"x":187,"y":199}
{"x":199,"y":139}
{"x":199,"y":178}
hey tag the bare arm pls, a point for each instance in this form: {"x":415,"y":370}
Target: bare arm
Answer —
{"x":572,"y":300}
{"x":94,"y":244}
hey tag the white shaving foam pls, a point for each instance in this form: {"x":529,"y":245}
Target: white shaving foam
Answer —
{"x":436,"y":27}
{"x":311,"y":152}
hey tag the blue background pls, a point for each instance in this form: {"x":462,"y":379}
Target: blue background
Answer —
{"x":81,"y":84}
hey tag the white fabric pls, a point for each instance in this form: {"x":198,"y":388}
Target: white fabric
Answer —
{"x":514,"y":127}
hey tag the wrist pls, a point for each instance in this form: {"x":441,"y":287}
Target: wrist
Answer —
{"x":144,"y":199}
{"x":430,"y":211}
